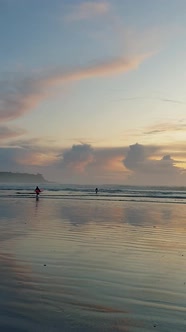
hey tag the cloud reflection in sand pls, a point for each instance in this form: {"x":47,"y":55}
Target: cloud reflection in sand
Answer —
{"x":91,"y":265}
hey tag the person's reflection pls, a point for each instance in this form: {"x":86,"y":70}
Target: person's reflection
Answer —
{"x":36,"y":206}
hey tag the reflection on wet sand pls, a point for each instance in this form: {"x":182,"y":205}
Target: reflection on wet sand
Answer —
{"x":97,"y":308}
{"x":14,"y":299}
{"x":92,"y":266}
{"x":135,"y":214}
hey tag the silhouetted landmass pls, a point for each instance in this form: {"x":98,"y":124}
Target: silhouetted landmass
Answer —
{"x":21,"y":178}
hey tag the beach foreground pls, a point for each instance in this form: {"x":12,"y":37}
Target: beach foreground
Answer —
{"x":74,"y":265}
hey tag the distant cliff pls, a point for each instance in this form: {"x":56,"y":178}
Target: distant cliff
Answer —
{"x":21,"y":177}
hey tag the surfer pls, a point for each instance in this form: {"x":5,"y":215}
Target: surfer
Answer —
{"x":96,"y":190}
{"x":37,"y":191}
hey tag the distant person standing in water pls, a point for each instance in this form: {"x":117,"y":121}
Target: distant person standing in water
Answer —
{"x":96,"y":190}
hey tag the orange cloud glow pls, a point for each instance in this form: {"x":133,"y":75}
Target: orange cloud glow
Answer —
{"x":88,"y":9}
{"x":36,"y":159}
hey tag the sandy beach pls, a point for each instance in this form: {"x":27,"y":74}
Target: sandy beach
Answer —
{"x":69,"y":265}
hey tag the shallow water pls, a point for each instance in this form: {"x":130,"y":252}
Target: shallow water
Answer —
{"x":71,"y":265}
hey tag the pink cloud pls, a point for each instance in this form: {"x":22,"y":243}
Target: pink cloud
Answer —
{"x":105,"y":68}
{"x":20,"y":95}
{"x":31,"y":158}
{"x":88,"y":9}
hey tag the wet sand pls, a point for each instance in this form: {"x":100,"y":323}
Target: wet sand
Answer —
{"x":70,"y":265}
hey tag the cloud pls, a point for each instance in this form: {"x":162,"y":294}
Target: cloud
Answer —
{"x":9,"y":158}
{"x":135,"y":98}
{"x":137,"y":155}
{"x":19,"y":95}
{"x":28,"y":154}
{"x":167,"y":157}
{"x":107,"y":160}
{"x":82,"y":163}
{"x":37,"y":144}
{"x":7,"y":132}
{"x":136,"y":164}
{"x":32,"y":152}
{"x":22,"y":160}
{"x":85,"y":158}
{"x":161,"y":128}
{"x":78,"y":157}
{"x":87,"y":10}
{"x":30,"y":158}
{"x":165,"y":127}
{"x":147,"y":171}
{"x":155,"y":38}
{"x":174,"y":101}
{"x":109,"y":67}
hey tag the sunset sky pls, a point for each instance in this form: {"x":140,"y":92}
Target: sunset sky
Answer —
{"x":93,"y":92}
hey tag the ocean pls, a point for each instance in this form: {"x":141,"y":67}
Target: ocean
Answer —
{"x":74,"y":261}
{"x":106,"y":192}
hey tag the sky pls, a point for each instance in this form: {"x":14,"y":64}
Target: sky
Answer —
{"x":93,"y":92}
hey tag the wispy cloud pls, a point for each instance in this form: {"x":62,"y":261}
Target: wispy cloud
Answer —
{"x":174,"y":101}
{"x":19,"y":95}
{"x":114,"y":66}
{"x":8,"y":133}
{"x":42,"y":145}
{"x":87,"y":10}
{"x":167,"y":100}
{"x":165,"y":128}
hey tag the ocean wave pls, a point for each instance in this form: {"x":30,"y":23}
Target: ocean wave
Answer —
{"x":116,"y":192}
